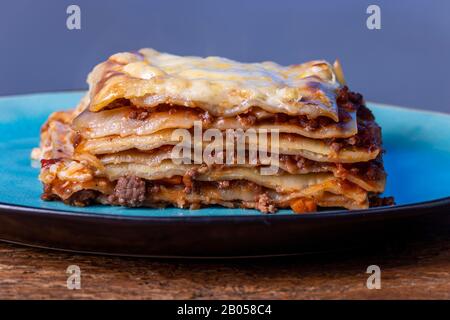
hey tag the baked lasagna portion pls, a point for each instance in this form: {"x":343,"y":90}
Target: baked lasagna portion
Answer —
{"x":252,"y":135}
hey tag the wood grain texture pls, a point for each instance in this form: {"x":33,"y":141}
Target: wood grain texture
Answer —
{"x":411,"y":268}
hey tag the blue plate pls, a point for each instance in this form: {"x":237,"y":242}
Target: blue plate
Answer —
{"x":417,"y":162}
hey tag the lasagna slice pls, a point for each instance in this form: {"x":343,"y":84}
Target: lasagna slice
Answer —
{"x":157,"y":129}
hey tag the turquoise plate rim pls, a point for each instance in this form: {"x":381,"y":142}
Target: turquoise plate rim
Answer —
{"x":338,"y":213}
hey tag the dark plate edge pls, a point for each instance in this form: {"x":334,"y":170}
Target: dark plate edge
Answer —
{"x":168,"y":257}
{"x":433,"y":204}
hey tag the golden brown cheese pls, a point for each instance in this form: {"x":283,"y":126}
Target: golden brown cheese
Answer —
{"x":221,"y":86}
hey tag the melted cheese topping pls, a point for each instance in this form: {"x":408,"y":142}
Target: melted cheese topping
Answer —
{"x":222,"y":86}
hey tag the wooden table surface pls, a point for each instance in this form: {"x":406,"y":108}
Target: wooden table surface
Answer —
{"x":415,"y":267}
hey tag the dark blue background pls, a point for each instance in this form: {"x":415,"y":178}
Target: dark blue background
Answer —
{"x":405,"y":63}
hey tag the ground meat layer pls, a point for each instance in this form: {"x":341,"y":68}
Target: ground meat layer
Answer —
{"x":129,"y":191}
